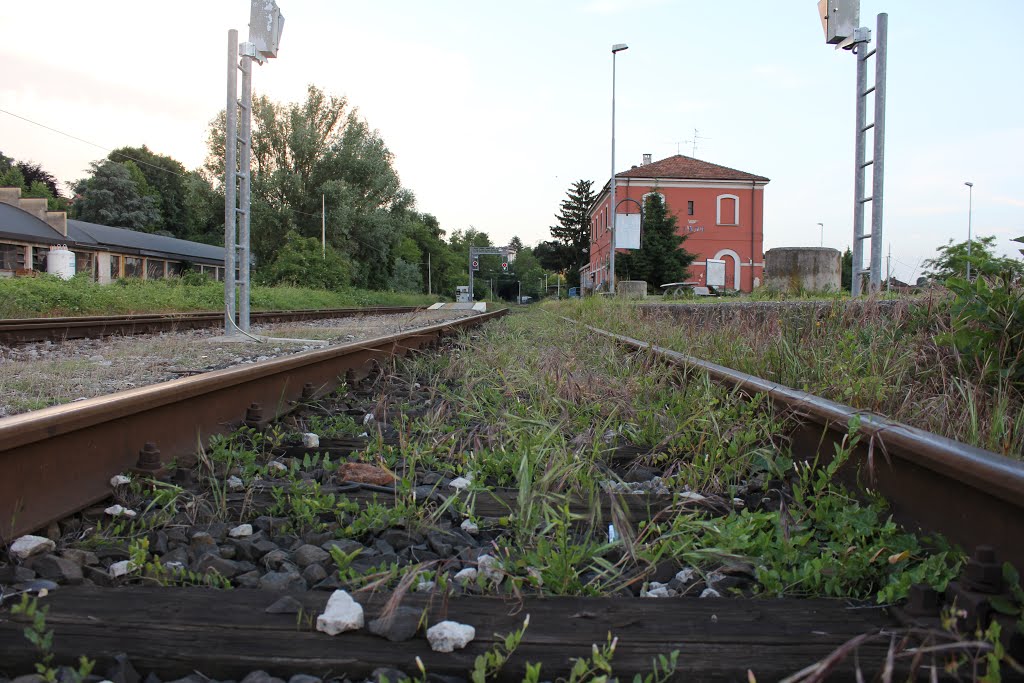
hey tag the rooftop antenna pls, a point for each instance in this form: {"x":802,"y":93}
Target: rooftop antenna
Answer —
{"x":696,"y":137}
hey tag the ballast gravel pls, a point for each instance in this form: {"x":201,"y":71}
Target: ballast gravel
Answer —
{"x":42,"y":374}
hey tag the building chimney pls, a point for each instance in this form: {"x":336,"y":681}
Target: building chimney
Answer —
{"x":647,"y":159}
{"x":58,"y":220}
{"x":34,"y":205}
{"x":10,"y":195}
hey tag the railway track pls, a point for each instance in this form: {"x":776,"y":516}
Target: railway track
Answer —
{"x":168,"y":630}
{"x":24,"y":330}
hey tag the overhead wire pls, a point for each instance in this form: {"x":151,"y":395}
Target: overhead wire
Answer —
{"x":368,"y":245}
{"x":98,"y":146}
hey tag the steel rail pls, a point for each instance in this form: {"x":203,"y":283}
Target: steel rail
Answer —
{"x":23,"y":330}
{"x":58,"y":460}
{"x":970,"y":495}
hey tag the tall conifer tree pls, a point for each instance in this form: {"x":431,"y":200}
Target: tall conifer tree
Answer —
{"x":573,"y":229}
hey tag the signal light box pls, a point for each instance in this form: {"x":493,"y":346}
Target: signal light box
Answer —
{"x":839,"y":19}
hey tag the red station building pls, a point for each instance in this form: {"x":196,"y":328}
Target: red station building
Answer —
{"x":719,"y":210}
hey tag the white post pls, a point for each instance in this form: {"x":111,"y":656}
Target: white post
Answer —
{"x":430,"y":286}
{"x":323,"y":225}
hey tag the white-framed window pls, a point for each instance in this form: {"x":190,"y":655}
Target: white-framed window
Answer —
{"x":727,"y":209}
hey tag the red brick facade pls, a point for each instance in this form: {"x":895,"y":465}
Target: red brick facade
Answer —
{"x":718,"y":209}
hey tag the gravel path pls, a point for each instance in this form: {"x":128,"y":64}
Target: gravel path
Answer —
{"x":42,"y":374}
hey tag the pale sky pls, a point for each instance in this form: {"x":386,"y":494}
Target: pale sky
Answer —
{"x":493,"y":109}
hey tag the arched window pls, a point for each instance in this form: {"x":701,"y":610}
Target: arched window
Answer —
{"x":727,"y":209}
{"x":643,"y":200}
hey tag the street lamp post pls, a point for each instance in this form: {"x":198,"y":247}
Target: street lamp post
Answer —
{"x":822,"y":226}
{"x":970,"y":209}
{"x":616,"y":48}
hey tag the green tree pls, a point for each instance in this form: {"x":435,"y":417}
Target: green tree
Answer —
{"x":952,"y":261}
{"x":319,"y":147}
{"x":112,"y":196}
{"x":34,"y":173}
{"x":846,"y":270}
{"x":165,"y":178}
{"x":204,"y":210}
{"x":301,"y":262}
{"x":33,"y":181}
{"x":660,"y":258}
{"x":573,"y":230}
{"x":529,"y":273}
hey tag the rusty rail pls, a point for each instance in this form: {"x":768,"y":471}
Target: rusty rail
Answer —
{"x":23,"y":330}
{"x":58,"y":460}
{"x":970,"y":495}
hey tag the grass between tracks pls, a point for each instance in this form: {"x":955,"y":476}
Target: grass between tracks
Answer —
{"x":897,"y":361}
{"x":49,"y":296}
{"x":538,"y":405}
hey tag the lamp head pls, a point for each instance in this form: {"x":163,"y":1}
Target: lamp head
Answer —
{"x":969,"y":184}
{"x":619,"y":47}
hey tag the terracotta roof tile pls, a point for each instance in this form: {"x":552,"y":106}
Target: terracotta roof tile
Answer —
{"x":688,"y":168}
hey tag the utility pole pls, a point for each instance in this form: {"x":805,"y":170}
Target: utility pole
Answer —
{"x":519,"y":300}
{"x":888,"y":270}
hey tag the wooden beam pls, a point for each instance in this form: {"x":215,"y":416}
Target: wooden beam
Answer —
{"x":226,"y":634}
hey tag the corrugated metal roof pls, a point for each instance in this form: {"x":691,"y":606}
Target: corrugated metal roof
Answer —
{"x":144,"y":243}
{"x":16,"y":224}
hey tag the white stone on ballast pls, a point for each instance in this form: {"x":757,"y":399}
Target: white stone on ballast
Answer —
{"x":469,"y":527}
{"x":119,"y":511}
{"x":449,"y":636}
{"x":310,"y":440}
{"x":119,"y":480}
{"x":121,"y":568}
{"x":466,"y":575}
{"x":27,"y":546}
{"x":685,"y":575}
{"x":240,"y":531}
{"x":425,"y":586}
{"x":235,"y":483}
{"x":490,"y":567}
{"x":279,"y":466}
{"x":341,"y":614}
{"x":710,"y":593}
{"x":459,"y":483}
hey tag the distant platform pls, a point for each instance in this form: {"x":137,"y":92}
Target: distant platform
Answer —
{"x":480,"y":306}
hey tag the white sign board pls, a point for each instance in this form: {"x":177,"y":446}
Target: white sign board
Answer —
{"x":627,"y":231}
{"x":715,"y":273}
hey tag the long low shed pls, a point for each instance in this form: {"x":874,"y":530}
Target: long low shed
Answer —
{"x":28,"y":230}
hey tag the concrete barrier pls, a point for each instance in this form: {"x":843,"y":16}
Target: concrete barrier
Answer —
{"x":632,"y":289}
{"x":809,"y":269}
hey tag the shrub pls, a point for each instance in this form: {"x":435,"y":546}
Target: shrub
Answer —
{"x":302,"y":261}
